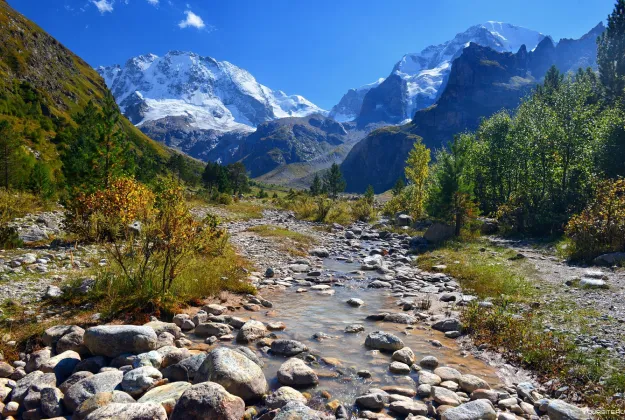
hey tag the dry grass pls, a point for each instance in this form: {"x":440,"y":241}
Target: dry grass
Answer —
{"x":293,"y":243}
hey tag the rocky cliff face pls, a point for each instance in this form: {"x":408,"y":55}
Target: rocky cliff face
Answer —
{"x":196,"y":104}
{"x":481,"y":82}
{"x":417,"y":80}
{"x":289,"y":140}
{"x":350,"y":104}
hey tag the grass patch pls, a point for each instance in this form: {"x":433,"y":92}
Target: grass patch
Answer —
{"x":488,"y":272}
{"x":116,"y":297}
{"x":294,"y":243}
{"x":516,"y":328}
{"x":243,"y":210}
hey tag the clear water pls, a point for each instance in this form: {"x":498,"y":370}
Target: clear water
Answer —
{"x":308,"y":313}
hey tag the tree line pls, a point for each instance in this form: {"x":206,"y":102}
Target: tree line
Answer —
{"x":538,"y":167}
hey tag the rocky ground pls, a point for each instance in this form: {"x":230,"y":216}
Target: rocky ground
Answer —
{"x":159,"y":371}
{"x":593,"y":295}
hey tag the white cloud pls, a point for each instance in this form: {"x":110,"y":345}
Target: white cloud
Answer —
{"x":192,"y":20}
{"x":153,"y":2}
{"x":103,"y":5}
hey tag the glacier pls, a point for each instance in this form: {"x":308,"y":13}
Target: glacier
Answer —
{"x":210,"y":94}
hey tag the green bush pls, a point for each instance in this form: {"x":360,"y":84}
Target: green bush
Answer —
{"x":225,"y":199}
{"x":9,"y":239}
{"x":363,"y":210}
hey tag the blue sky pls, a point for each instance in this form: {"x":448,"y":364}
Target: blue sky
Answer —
{"x":315,"y":48}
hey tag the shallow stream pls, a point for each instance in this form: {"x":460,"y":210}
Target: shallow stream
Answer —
{"x":341,"y":355}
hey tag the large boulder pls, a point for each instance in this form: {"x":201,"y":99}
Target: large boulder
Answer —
{"x":62,"y":365}
{"x":402,"y":219}
{"x":51,"y":402}
{"x":407,"y":407}
{"x":35,"y":380}
{"x":132,"y":411}
{"x":137,"y":381}
{"x":166,"y":395}
{"x":295,"y":372}
{"x":399,"y":318}
{"x":438,"y":232}
{"x":381,"y":340}
{"x":208,"y":329}
{"x":445,"y":396}
{"x":160,"y":327}
{"x":298,"y":410}
{"x":288,"y":347}
{"x":235,"y":372}
{"x":114,"y":340}
{"x":99,"y":400}
{"x":373,"y":401}
{"x":184,"y":370}
{"x":613,"y":258}
{"x":102,"y":382}
{"x":474,"y":410}
{"x":404,"y":355}
{"x":208,"y":400}
{"x":251,"y":331}
{"x":469,"y":383}
{"x":53,"y":334}
{"x":282,"y":396}
{"x":447,"y":324}
{"x":560,"y":410}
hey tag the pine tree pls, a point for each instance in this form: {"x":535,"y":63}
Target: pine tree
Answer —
{"x":98,"y":151}
{"x":451,"y":194}
{"x":333,"y":181}
{"x":110,"y":145}
{"x":9,"y":146}
{"x":238,"y":178}
{"x":398,"y":187}
{"x":315,"y":188}
{"x":611,"y":53}
{"x":41,"y":180}
{"x":370,"y":194}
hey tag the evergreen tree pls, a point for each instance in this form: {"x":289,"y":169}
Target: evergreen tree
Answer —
{"x":111,"y":146}
{"x":551,"y":84}
{"x":333,"y":181}
{"x":9,"y":158}
{"x":452,"y":191}
{"x":178,"y":165}
{"x":398,"y":187}
{"x":210,"y":176}
{"x":611,"y":53}
{"x":315,"y":188}
{"x":238,"y":178}
{"x":98,"y":150}
{"x":369,"y":194}
{"x":41,"y":180}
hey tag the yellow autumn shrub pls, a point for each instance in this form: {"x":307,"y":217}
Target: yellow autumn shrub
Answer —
{"x":107,"y":214}
{"x":600,"y":228}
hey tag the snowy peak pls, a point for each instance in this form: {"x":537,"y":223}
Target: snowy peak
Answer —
{"x":420,"y":77}
{"x":210,"y":94}
{"x":512,"y":37}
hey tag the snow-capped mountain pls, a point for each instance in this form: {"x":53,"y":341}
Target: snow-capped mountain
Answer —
{"x":348,"y":107}
{"x":208,"y":94}
{"x":417,"y":79}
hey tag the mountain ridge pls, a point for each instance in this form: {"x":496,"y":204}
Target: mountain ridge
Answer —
{"x":215,"y":95}
{"x":482,"y":81}
{"x":417,"y":79}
